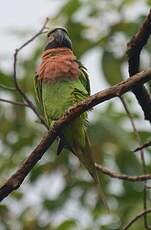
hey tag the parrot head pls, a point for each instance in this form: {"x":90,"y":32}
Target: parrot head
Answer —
{"x":58,"y":60}
{"x":58,"y":38}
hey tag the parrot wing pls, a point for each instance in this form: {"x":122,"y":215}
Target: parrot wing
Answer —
{"x":84,"y":78}
{"x":38,"y":90}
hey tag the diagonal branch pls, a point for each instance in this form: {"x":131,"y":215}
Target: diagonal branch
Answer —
{"x":147,"y":144}
{"x":139,"y":215}
{"x":115,"y":91}
{"x":134,"y":48}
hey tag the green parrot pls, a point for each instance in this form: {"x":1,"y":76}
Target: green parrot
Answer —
{"x":61,"y":82}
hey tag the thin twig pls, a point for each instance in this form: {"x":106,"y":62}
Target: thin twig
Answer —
{"x":119,"y":89}
{"x":122,"y":176}
{"x":142,"y":159}
{"x":18,"y":88}
{"x":7,"y":88}
{"x":134,"y":48}
{"x":35,"y":36}
{"x":148,"y":144}
{"x":136,"y":218}
{"x":14,"y":102}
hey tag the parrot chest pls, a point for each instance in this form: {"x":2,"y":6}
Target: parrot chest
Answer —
{"x":59,"y":96}
{"x":58,"y":65}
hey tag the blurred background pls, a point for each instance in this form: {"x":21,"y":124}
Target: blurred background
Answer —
{"x":59,"y":194}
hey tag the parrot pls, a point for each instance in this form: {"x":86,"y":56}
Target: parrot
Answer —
{"x":61,"y":82}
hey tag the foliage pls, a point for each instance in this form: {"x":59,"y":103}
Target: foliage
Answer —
{"x":59,"y":194}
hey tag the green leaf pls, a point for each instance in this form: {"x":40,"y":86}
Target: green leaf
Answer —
{"x":149,"y":2}
{"x":128,"y":28}
{"x":17,"y":195}
{"x":80,"y":43}
{"x":3,"y":211}
{"x":5,"y":80}
{"x":128,"y":2}
{"x":56,"y":204}
{"x":67,"y":225}
{"x":111,"y":68}
{"x":70,"y":8}
{"x":35,"y":173}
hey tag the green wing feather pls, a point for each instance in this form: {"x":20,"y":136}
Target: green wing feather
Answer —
{"x":38,"y":90}
{"x":84,"y":78}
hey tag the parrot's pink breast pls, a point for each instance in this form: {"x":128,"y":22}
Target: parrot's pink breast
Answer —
{"x":57,"y":64}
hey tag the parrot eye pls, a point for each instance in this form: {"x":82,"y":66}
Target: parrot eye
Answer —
{"x":50,"y":38}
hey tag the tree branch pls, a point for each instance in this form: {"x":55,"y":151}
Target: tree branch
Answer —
{"x":13,"y":102}
{"x":139,"y":215}
{"x":18,"y":88}
{"x":7,"y":88}
{"x":134,"y":48}
{"x":148,"y":144}
{"x":115,"y":91}
{"x":122,"y":176}
{"x":142,"y":159}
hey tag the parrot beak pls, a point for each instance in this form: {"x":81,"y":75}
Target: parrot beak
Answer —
{"x":62,"y":38}
{"x":59,"y":36}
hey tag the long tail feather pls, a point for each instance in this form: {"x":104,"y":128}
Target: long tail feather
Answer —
{"x":85,"y":156}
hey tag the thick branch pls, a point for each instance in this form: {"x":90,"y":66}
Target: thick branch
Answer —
{"x":122,"y":176}
{"x":142,"y":159}
{"x":135,"y":46}
{"x":117,"y":90}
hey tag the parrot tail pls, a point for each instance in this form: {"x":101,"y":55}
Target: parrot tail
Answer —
{"x":85,"y":156}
